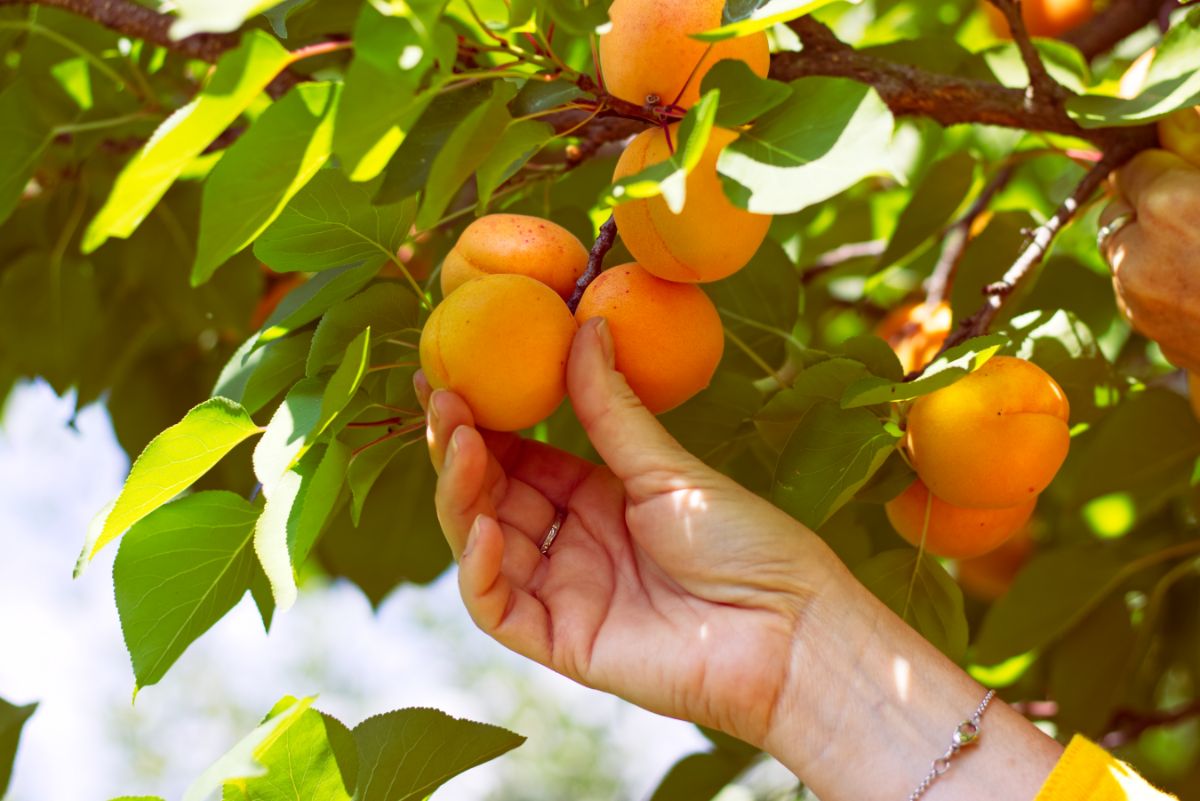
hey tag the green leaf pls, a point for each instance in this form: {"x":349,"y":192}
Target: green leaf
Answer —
{"x":214,"y":16}
{"x":944,"y":371}
{"x":178,"y":571}
{"x":388,"y":309}
{"x":365,"y":468}
{"x":12,"y":721}
{"x":700,"y":777}
{"x":1090,"y":666}
{"x":314,"y":297}
{"x":397,"y":538}
{"x":829,"y":135}
{"x":345,"y":380}
{"x":290,"y":431}
{"x":519,"y":142}
{"x":918,"y":589}
{"x":255,"y":376}
{"x":173,"y":461}
{"x":239,"y":77}
{"x":875,"y":354}
{"x":1172,"y":83}
{"x":537,"y":96}
{"x":394,"y":47}
{"x":934,"y":202}
{"x":262,"y":171}
{"x":25,"y":134}
{"x":409,"y":169}
{"x":744,"y":17}
{"x":330,"y":223}
{"x":243,"y":760}
{"x":313,"y":758}
{"x":669,"y":178}
{"x":407,"y":754}
{"x":464,"y":150}
{"x":744,"y":95}
{"x":1152,"y":436}
{"x":1054,"y":591}
{"x":829,"y":456}
{"x":298,"y":504}
{"x":825,"y":380}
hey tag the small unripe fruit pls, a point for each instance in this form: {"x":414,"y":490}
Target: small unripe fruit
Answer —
{"x":994,"y":439}
{"x":501,"y":342}
{"x":516,"y":244}
{"x":709,"y":239}
{"x":916,"y":331}
{"x":953,"y":531}
{"x":1045,"y":18}
{"x":667,"y":337}
{"x":649,"y":58}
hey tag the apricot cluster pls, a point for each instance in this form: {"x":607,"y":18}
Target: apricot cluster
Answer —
{"x":984,"y":448}
{"x":502,"y":334}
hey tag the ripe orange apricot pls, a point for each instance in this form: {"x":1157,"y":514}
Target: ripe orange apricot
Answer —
{"x":709,"y":239}
{"x":648,"y":56}
{"x":954,"y":531}
{"x":517,"y":244}
{"x":993,"y":439}
{"x":667,"y":337}
{"x":989,"y":576}
{"x":501,"y":342}
{"x":916,"y":331}
{"x":1047,"y":18}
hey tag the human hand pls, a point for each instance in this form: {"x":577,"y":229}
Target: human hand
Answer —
{"x":1156,"y":258}
{"x":668,"y":584}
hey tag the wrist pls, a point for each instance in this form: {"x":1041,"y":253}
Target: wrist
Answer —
{"x":869,"y":704}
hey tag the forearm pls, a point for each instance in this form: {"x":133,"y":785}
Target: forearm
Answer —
{"x":871,"y":704}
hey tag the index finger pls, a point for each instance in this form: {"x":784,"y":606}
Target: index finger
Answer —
{"x":1135,"y":180}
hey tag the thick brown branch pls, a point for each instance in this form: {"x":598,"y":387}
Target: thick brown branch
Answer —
{"x":603,"y":244}
{"x":1114,"y":23}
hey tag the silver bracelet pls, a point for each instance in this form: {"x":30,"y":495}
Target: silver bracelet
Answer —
{"x":966,"y":734}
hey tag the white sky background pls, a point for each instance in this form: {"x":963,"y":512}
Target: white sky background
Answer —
{"x":60,"y":644}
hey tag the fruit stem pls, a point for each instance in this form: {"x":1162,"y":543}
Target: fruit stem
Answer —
{"x":604,"y":243}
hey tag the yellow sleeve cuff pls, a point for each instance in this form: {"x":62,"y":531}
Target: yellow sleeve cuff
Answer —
{"x":1087,"y":772}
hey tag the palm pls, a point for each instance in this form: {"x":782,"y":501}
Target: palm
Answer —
{"x":639,"y":598}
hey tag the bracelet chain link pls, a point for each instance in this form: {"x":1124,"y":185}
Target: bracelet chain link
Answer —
{"x":966,"y":734}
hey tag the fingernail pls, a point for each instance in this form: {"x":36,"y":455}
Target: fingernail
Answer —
{"x":452,"y":448}
{"x":435,"y":400}
{"x":606,"y":341}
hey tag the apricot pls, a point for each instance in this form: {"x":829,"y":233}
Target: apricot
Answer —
{"x":501,"y":342}
{"x":916,"y":331}
{"x":954,"y":532}
{"x":989,"y":576}
{"x":993,"y":439}
{"x":667,"y":337}
{"x":709,"y":239}
{"x":1046,"y":18}
{"x":517,"y":244}
{"x":1179,"y":132}
{"x":649,"y":58}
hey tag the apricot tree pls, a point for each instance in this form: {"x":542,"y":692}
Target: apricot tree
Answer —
{"x":242,"y":226}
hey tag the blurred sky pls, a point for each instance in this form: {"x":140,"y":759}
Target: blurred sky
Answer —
{"x":60,"y":644}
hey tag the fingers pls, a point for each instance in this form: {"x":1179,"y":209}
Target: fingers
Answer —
{"x":1138,"y":180}
{"x":627,"y":436}
{"x":1112,"y":244}
{"x":461,"y":494}
{"x":508,"y":613}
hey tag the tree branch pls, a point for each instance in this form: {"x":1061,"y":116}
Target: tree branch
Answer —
{"x":958,"y":235}
{"x":1120,"y":19}
{"x":1128,"y":724}
{"x":603,"y":244}
{"x":1042,"y":88}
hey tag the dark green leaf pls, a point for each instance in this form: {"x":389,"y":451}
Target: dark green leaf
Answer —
{"x":519,"y":142}
{"x":744,"y":17}
{"x":932,"y":205}
{"x":1089,"y":667}
{"x":699,"y":777}
{"x":537,"y":96}
{"x":388,"y":309}
{"x":12,"y":720}
{"x":744,"y":95}
{"x":25,"y":134}
{"x":829,"y":456}
{"x":918,"y":589}
{"x":945,"y":370}
{"x":314,"y":297}
{"x":407,"y":754}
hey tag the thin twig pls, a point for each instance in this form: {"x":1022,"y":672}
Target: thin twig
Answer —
{"x":603,"y":244}
{"x":832,"y":259}
{"x":958,"y":235}
{"x":1128,"y":725}
{"x":1042,"y":88}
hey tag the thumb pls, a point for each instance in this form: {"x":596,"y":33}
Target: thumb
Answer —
{"x":627,"y":436}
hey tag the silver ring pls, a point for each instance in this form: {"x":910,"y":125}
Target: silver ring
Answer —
{"x":552,"y":532}
{"x":1114,"y":227}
